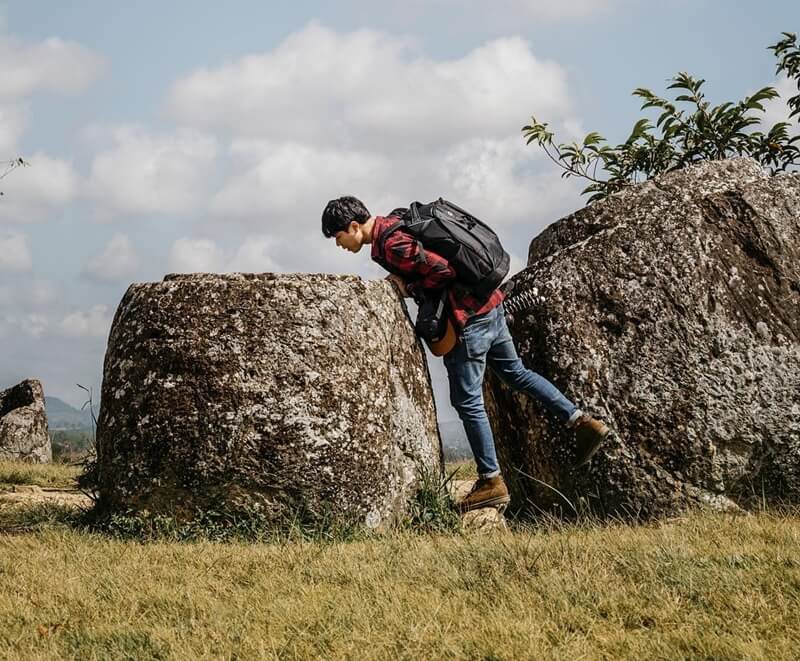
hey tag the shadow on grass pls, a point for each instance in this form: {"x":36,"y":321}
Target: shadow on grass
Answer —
{"x":39,"y":517}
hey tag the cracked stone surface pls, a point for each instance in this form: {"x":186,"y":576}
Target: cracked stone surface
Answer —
{"x":23,"y":424}
{"x":265,"y":390}
{"x":672,"y":311}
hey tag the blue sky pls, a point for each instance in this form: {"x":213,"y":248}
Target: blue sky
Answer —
{"x":208,"y":136}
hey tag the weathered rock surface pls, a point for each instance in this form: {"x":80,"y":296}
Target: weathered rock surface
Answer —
{"x":672,"y":310}
{"x":484,"y":520}
{"x":264,"y":390}
{"x":23,"y":423}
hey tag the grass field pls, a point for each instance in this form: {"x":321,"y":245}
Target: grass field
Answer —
{"x":704,"y":587}
{"x":53,"y":475}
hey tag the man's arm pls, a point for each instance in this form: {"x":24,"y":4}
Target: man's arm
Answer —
{"x":407,"y":256}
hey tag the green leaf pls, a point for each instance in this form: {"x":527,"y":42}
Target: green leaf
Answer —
{"x":593,"y":139}
{"x":639,"y":129}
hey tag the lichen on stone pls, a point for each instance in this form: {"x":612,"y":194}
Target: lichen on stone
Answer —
{"x":290,"y":390}
{"x":672,"y":310}
{"x":23,"y":423}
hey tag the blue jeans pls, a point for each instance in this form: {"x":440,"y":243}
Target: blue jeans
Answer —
{"x":486,"y":339}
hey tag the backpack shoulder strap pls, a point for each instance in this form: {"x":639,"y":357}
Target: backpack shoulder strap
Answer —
{"x":400,"y":223}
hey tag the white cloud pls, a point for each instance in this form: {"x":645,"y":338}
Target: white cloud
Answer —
{"x":117,"y":261}
{"x":367,"y":113}
{"x":31,"y":324}
{"x":41,"y":293}
{"x":37,"y":294}
{"x":777,"y":110}
{"x":12,"y":126}
{"x":146,"y":173}
{"x":50,"y":65}
{"x":95,"y":322}
{"x":283,"y":187}
{"x":15,"y":253}
{"x":26,"y":68}
{"x":33,"y":192}
{"x":286,"y":182}
{"x":498,"y":178}
{"x":369,"y":89}
{"x":195,"y":256}
{"x":255,"y":255}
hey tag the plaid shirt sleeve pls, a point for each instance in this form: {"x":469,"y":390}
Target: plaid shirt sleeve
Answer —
{"x":428,"y":269}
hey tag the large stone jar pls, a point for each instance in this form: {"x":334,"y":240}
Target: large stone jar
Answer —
{"x":290,"y":393}
{"x":671,"y":309}
{"x":23,"y":423}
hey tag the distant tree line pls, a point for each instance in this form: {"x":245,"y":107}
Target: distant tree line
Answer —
{"x":70,"y":445}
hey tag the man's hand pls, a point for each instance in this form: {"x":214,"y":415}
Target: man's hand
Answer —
{"x":400,"y":283}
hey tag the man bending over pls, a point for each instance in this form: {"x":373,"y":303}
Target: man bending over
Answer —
{"x":483,"y":339}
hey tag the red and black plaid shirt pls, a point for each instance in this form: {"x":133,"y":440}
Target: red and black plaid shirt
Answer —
{"x":427,"y":270}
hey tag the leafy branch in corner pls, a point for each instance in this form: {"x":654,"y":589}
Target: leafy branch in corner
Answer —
{"x":688,"y":130}
{"x":788,"y":53}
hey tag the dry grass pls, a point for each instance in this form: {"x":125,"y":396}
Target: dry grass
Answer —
{"x":713,"y":587}
{"x":464,"y":470}
{"x":705,"y":587}
{"x":53,"y":475}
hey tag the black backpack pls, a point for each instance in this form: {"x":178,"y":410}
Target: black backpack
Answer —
{"x":471,"y":247}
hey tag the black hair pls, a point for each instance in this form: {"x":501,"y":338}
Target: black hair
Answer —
{"x":339,"y":213}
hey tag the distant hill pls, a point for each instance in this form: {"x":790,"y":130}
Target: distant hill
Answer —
{"x":61,"y":415}
{"x":454,"y":440}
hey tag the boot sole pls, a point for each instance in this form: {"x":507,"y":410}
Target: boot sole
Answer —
{"x":492,"y":502}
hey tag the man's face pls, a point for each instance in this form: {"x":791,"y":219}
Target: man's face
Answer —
{"x":350,"y":239}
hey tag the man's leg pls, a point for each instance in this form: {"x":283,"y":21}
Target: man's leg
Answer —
{"x":465,"y":375}
{"x":465,"y":365}
{"x":504,"y":361}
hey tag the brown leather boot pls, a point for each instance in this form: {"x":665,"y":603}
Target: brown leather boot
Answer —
{"x":486,"y":492}
{"x":589,"y":434}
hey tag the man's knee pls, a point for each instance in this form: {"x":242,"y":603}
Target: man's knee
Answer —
{"x":515,"y":375}
{"x":470,"y":408}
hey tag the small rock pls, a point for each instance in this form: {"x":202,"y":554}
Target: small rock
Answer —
{"x":459,"y":489}
{"x":485,"y":519}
